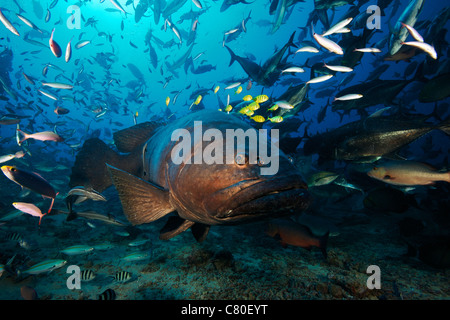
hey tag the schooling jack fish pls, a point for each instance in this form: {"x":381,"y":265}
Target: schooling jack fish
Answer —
{"x":151,"y":184}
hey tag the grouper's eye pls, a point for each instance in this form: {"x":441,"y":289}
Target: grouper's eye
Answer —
{"x":241,"y":159}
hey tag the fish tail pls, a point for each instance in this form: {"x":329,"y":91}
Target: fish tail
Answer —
{"x":418,"y":76}
{"x":291,"y":40}
{"x":323,"y":242}
{"x":25,"y":136}
{"x":233,"y":56}
{"x":40,"y":218}
{"x":445,"y":126}
{"x":51,"y":206}
{"x":71,"y":216}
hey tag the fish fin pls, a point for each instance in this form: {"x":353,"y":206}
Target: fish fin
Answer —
{"x":445,"y":127}
{"x":418,"y":76}
{"x":394,"y":156}
{"x":291,"y":41}
{"x":25,"y":136}
{"x":131,"y":138}
{"x":72,"y":215}
{"x":90,"y":170}
{"x":174,"y":226}
{"x":51,"y":205}
{"x":323,"y":241}
{"x":200,"y":231}
{"x":142,"y":201}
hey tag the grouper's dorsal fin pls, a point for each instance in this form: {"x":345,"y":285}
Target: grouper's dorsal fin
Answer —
{"x":142,"y":201}
{"x":129,"y":139}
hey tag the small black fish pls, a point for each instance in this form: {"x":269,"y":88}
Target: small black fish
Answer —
{"x":108,"y":294}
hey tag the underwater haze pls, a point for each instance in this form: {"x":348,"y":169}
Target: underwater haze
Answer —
{"x":354,"y":94}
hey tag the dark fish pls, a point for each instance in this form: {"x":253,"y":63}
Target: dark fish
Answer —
{"x":153,"y":57}
{"x":140,"y":10}
{"x":30,"y":180}
{"x":250,"y":67}
{"x":436,"y":89}
{"x":172,"y":7}
{"x":91,"y":215}
{"x":387,"y":199}
{"x":151,"y":186}
{"x":228,"y":3}
{"x":60,"y":110}
{"x":180,"y":61}
{"x":270,"y":70}
{"x":108,"y":294}
{"x":369,"y":138}
{"x":432,"y":250}
{"x":4,"y":121}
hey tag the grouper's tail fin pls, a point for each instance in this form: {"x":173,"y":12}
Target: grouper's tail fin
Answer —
{"x":90,"y":168}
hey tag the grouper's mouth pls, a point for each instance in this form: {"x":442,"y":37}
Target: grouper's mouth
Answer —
{"x":253,"y":198}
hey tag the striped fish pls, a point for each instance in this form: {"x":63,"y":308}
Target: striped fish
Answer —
{"x":108,"y":294}
{"x":14,"y":236}
{"x":122,"y":276}
{"x":87,"y":275}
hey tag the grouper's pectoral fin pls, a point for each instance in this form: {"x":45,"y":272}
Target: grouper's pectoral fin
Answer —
{"x":142,"y":201}
{"x":176,"y":225}
{"x":173,"y":227}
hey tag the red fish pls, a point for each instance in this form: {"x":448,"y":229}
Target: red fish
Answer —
{"x":292,"y":233}
{"x":54,"y":46}
{"x":42,"y":136}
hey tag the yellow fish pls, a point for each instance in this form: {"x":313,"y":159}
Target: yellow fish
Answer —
{"x":275,"y":119}
{"x":273,"y":108}
{"x":167,"y":101}
{"x":216,"y":89}
{"x":228,"y":108}
{"x":238,"y":90}
{"x":253,"y":106}
{"x":247,"y":98}
{"x":249,"y":112}
{"x":261,"y":98}
{"x":198,"y":100}
{"x":258,"y":118}
{"x":244,"y":110}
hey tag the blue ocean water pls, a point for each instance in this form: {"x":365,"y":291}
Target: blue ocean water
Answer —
{"x":123,"y":77}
